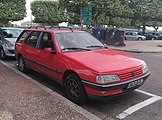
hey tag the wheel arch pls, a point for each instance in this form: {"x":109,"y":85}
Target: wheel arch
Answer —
{"x":140,"y":38}
{"x":66,"y":73}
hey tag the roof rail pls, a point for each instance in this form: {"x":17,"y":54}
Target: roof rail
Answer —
{"x":51,"y":27}
{"x":36,"y":27}
{"x":61,"y":27}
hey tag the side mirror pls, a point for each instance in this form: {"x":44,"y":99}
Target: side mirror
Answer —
{"x":50,"y":51}
{"x":53,"y":51}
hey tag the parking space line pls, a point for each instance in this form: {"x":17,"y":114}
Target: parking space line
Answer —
{"x":146,"y":93}
{"x":132,"y":109}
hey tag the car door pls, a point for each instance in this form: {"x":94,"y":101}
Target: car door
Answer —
{"x":20,"y":39}
{"x":46,"y":60}
{"x":30,"y":49}
{"x":129,"y":35}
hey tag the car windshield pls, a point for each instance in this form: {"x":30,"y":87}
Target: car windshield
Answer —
{"x":77,"y":41}
{"x":11,"y":33}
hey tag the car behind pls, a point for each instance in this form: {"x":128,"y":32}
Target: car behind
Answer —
{"x":8,"y":38}
{"x":133,"y":36}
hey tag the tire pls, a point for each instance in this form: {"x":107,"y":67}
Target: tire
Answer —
{"x":21,"y":64}
{"x":140,"y":39}
{"x":2,"y":54}
{"x":74,"y":89}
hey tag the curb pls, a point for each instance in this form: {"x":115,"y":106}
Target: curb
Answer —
{"x":137,"y":51}
{"x":79,"y":109}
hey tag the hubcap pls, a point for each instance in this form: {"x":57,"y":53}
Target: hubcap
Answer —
{"x":73,"y":88}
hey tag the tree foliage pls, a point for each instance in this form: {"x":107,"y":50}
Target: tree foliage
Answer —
{"x":120,"y":12}
{"x":147,"y":12}
{"x":12,"y":10}
{"x":48,"y":12}
{"x":112,"y":8}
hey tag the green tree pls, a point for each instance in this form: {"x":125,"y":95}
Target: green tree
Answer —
{"x":48,"y":12}
{"x":72,"y":8}
{"x":156,"y":18}
{"x":145,"y":12}
{"x":110,"y":8}
{"x":12,"y":10}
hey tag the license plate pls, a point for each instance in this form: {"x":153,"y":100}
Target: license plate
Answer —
{"x":134,"y":83}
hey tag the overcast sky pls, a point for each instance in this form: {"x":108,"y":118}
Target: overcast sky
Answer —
{"x":28,"y":8}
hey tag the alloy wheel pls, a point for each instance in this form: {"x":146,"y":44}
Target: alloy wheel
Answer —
{"x":73,"y":88}
{"x":21,"y":64}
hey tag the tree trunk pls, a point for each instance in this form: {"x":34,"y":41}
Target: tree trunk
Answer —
{"x":144,"y":27}
{"x":156,"y":28}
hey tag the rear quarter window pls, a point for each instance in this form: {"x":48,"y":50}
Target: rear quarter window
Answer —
{"x":23,"y":35}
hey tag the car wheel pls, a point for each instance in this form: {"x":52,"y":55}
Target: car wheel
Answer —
{"x":2,"y":54}
{"x":140,"y":38}
{"x":21,"y":64}
{"x":74,"y":89}
{"x":125,"y":38}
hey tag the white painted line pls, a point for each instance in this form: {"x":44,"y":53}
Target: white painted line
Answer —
{"x":140,"y":105}
{"x":146,"y":93}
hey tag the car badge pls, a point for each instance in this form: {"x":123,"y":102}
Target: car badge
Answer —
{"x":133,"y":74}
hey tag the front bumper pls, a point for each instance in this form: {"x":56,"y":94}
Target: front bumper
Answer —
{"x":9,"y":51}
{"x":112,"y":89}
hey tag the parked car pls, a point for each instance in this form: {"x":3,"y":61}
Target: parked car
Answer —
{"x":8,"y":38}
{"x":134,"y":36}
{"x":79,"y":62}
{"x":158,"y":34}
{"x":149,"y":35}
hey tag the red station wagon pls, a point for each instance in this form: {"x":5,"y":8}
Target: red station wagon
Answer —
{"x":79,"y":62}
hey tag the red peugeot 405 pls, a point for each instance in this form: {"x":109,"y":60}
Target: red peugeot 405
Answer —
{"x":79,"y":62}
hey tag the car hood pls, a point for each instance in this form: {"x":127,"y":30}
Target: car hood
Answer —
{"x":105,"y":60}
{"x":12,"y":40}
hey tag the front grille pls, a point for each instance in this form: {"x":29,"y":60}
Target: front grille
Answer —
{"x":11,"y":51}
{"x":131,"y":75}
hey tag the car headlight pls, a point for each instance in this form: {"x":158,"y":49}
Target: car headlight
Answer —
{"x":144,"y":68}
{"x":8,"y":44}
{"x":102,"y":79}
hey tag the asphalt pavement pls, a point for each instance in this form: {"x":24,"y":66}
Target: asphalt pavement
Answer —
{"x":22,"y":98}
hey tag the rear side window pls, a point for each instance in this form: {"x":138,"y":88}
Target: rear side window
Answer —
{"x":22,"y":36}
{"x":33,"y":39}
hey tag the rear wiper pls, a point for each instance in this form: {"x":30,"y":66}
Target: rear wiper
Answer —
{"x":75,"y":48}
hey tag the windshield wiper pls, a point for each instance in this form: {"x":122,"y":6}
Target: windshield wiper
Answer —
{"x":93,"y":46}
{"x":75,"y":48}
